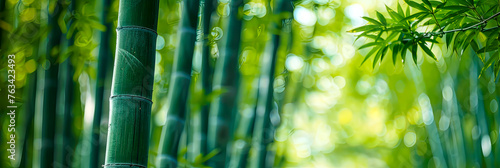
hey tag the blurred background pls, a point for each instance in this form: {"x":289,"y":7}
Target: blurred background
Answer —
{"x":329,"y":110}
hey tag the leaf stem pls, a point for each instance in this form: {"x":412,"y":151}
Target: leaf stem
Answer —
{"x":466,"y":28}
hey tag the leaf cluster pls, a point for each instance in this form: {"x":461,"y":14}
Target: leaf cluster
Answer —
{"x":459,"y":23}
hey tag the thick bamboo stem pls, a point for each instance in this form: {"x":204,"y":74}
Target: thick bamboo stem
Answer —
{"x":132,"y":86}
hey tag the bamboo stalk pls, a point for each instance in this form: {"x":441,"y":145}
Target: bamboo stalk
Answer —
{"x":64,"y":134}
{"x":130,"y":101}
{"x":485,"y":159}
{"x":29,"y":111}
{"x":206,"y":72}
{"x":263,"y":133}
{"x":226,"y":77}
{"x":102,"y":69}
{"x":179,"y":88}
{"x":50,"y":89}
{"x":428,"y":117}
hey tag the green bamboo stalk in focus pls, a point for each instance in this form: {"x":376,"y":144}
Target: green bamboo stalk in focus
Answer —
{"x":263,"y":133}
{"x":49,"y":100}
{"x":226,"y":77}
{"x":179,"y":87}
{"x":102,"y":69}
{"x":132,"y":86}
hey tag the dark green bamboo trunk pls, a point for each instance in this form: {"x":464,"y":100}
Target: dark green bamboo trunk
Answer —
{"x":132,"y":86}
{"x":103,"y":65}
{"x":3,"y":154}
{"x":50,"y":88}
{"x":64,"y":135}
{"x":226,"y":77}
{"x":206,"y":72}
{"x":263,"y":134}
{"x":29,"y":96}
{"x":29,"y":112}
{"x":2,"y":17}
{"x":179,"y":87}
{"x":64,"y":118}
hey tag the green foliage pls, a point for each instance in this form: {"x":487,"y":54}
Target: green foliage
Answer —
{"x":460,"y":23}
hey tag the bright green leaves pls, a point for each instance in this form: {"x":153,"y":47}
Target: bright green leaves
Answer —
{"x":417,"y":5}
{"x":373,"y":21}
{"x":381,"y":18}
{"x":427,"y":50}
{"x":395,"y":51}
{"x":461,"y":24}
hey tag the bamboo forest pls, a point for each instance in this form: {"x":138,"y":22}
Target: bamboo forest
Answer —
{"x":249,"y":83}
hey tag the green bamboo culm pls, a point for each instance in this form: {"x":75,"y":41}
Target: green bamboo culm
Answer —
{"x":179,"y":87}
{"x":206,"y":9}
{"x":29,"y":109}
{"x":102,"y":70}
{"x":64,"y":134}
{"x":132,"y":86}
{"x":2,"y":16}
{"x":3,"y":155}
{"x":263,"y":133}
{"x":49,"y":86}
{"x":226,"y":77}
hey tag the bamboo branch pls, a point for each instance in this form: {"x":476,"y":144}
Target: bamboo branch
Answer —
{"x":475,"y":26}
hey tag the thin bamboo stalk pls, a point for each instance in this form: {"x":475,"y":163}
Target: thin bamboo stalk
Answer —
{"x":206,"y":71}
{"x":477,"y":108}
{"x":49,"y":100}
{"x":29,"y":111}
{"x":226,"y":77}
{"x":102,"y":69}
{"x":179,"y":88}
{"x":130,"y":101}
{"x":64,"y":134}
{"x":428,"y":117}
{"x":242,"y":136}
{"x":263,"y":134}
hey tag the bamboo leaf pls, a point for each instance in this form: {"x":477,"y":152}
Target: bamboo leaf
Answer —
{"x":400,"y":10}
{"x":368,"y":45}
{"x":384,"y":51}
{"x":414,"y":53}
{"x":453,"y":14}
{"x":428,"y":4}
{"x":369,"y":54}
{"x":448,"y":39}
{"x":493,"y":58}
{"x":455,"y":7}
{"x":381,"y":18}
{"x":373,"y":21}
{"x":427,"y":50}
{"x":414,"y":16}
{"x":378,"y":56}
{"x":395,"y":50}
{"x":395,"y":16}
{"x":416,"y":5}
{"x":363,"y":28}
